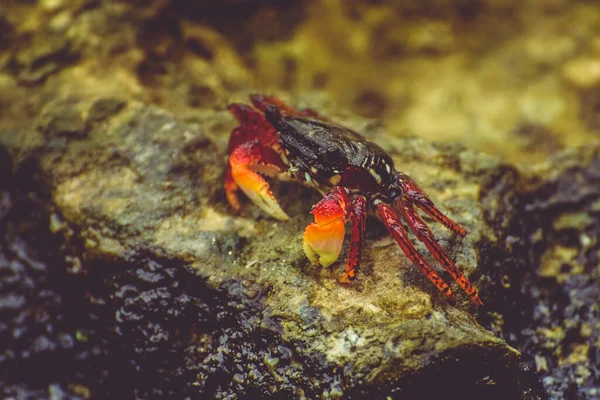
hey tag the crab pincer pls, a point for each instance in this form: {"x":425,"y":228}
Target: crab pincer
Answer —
{"x":323,"y":238}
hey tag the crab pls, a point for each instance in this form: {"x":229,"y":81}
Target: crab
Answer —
{"x":355,"y":176}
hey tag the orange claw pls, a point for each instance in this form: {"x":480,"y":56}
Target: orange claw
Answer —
{"x":323,"y":238}
{"x":245,"y":161}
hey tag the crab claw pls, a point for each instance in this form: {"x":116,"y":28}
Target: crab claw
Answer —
{"x":257,"y":190}
{"x":231,"y":189}
{"x":246,"y":161}
{"x":323,"y":243}
{"x":323,"y":238}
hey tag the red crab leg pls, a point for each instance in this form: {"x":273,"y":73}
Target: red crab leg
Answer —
{"x":389,"y":218}
{"x":245,"y":114}
{"x":358,"y":216}
{"x":231,"y":189}
{"x":415,"y":194}
{"x":424,"y":234}
{"x":323,"y":238}
{"x":266,"y":135}
{"x":245,"y":161}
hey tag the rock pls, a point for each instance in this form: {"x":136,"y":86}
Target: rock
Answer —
{"x":66,"y":122}
{"x":46,"y":55}
{"x":144,"y":186}
{"x":561,"y":222}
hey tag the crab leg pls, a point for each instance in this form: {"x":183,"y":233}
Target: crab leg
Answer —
{"x":389,"y":218}
{"x":415,"y":194}
{"x":358,"y":216}
{"x":323,"y":238}
{"x":245,"y":114}
{"x":245,"y":161}
{"x":424,"y":234}
{"x":253,"y":125}
{"x":231,"y":189}
{"x":267,"y":136}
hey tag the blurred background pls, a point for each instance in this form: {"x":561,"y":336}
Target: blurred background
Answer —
{"x":517,"y":79}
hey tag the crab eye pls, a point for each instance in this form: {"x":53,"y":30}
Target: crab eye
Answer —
{"x":394,"y":193}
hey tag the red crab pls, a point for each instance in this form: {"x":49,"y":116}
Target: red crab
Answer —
{"x":355,"y":176}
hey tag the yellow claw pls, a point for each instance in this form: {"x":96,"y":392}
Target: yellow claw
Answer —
{"x":323,"y":238}
{"x":257,"y":190}
{"x":323,"y":242}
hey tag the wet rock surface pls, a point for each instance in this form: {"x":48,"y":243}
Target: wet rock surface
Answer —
{"x":561,"y":222}
{"x":124,"y":273}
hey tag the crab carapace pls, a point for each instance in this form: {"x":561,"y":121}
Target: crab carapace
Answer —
{"x":355,"y":176}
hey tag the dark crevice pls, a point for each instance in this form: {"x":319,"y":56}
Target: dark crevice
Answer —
{"x":530,"y":303}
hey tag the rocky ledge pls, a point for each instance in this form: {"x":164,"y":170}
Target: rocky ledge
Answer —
{"x":209,"y":303}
